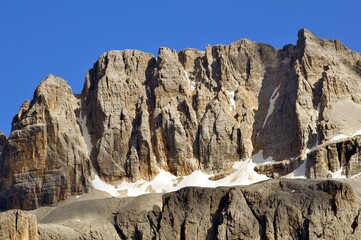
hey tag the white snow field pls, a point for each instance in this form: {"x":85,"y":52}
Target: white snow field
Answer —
{"x":272,"y":101}
{"x":243,"y":174}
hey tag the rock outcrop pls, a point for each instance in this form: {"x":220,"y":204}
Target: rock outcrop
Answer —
{"x":277,"y":209}
{"x":18,"y":225}
{"x":328,"y":158}
{"x":2,"y":142}
{"x":45,"y":159}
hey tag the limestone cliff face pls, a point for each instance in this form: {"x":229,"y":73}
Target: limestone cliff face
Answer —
{"x":185,"y":111}
{"x":44,"y":159}
{"x":115,"y":103}
{"x":329,"y":90}
{"x":202,"y":110}
{"x":181,"y":112}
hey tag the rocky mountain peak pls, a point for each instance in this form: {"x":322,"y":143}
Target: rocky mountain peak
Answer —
{"x":44,"y":158}
{"x":305,"y":35}
{"x":186,"y":111}
{"x":51,"y":85}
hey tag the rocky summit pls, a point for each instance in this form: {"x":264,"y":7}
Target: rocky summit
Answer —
{"x":229,"y":115}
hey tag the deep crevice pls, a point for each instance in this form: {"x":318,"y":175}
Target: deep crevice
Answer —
{"x":117,"y":228}
{"x":354,"y":224}
{"x":260,"y":218}
{"x":217,"y":218}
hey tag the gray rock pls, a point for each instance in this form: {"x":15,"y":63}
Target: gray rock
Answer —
{"x":99,"y":230}
{"x":332,"y":156}
{"x":277,"y":209}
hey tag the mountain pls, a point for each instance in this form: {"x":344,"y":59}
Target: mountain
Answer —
{"x":229,"y":115}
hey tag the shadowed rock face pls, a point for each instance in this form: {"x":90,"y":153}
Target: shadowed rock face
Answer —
{"x":279,"y":209}
{"x":181,"y":112}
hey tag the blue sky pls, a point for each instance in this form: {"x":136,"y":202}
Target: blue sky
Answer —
{"x":66,"y":37}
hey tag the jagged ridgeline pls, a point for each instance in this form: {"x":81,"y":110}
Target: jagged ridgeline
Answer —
{"x":185,"y":111}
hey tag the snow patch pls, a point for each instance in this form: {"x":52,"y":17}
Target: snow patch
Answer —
{"x":318,"y":111}
{"x":343,"y":136}
{"x":231,"y":99}
{"x":103,"y":186}
{"x":272,"y":101}
{"x":258,"y":158}
{"x":300,"y":172}
{"x":243,"y":174}
{"x":358,"y":132}
{"x":337,"y":174}
{"x":192,"y":84}
{"x":338,"y":137}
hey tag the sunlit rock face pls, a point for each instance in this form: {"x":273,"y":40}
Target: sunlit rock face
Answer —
{"x":203,"y":110}
{"x":184,"y":111}
{"x":44,"y":158}
{"x":18,"y":225}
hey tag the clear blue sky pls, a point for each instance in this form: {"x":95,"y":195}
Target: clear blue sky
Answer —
{"x":64,"y":38}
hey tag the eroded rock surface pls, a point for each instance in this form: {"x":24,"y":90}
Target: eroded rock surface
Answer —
{"x":276,"y":209}
{"x":18,"y":225}
{"x":342,"y":155}
{"x":44,"y":159}
{"x":115,"y":104}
